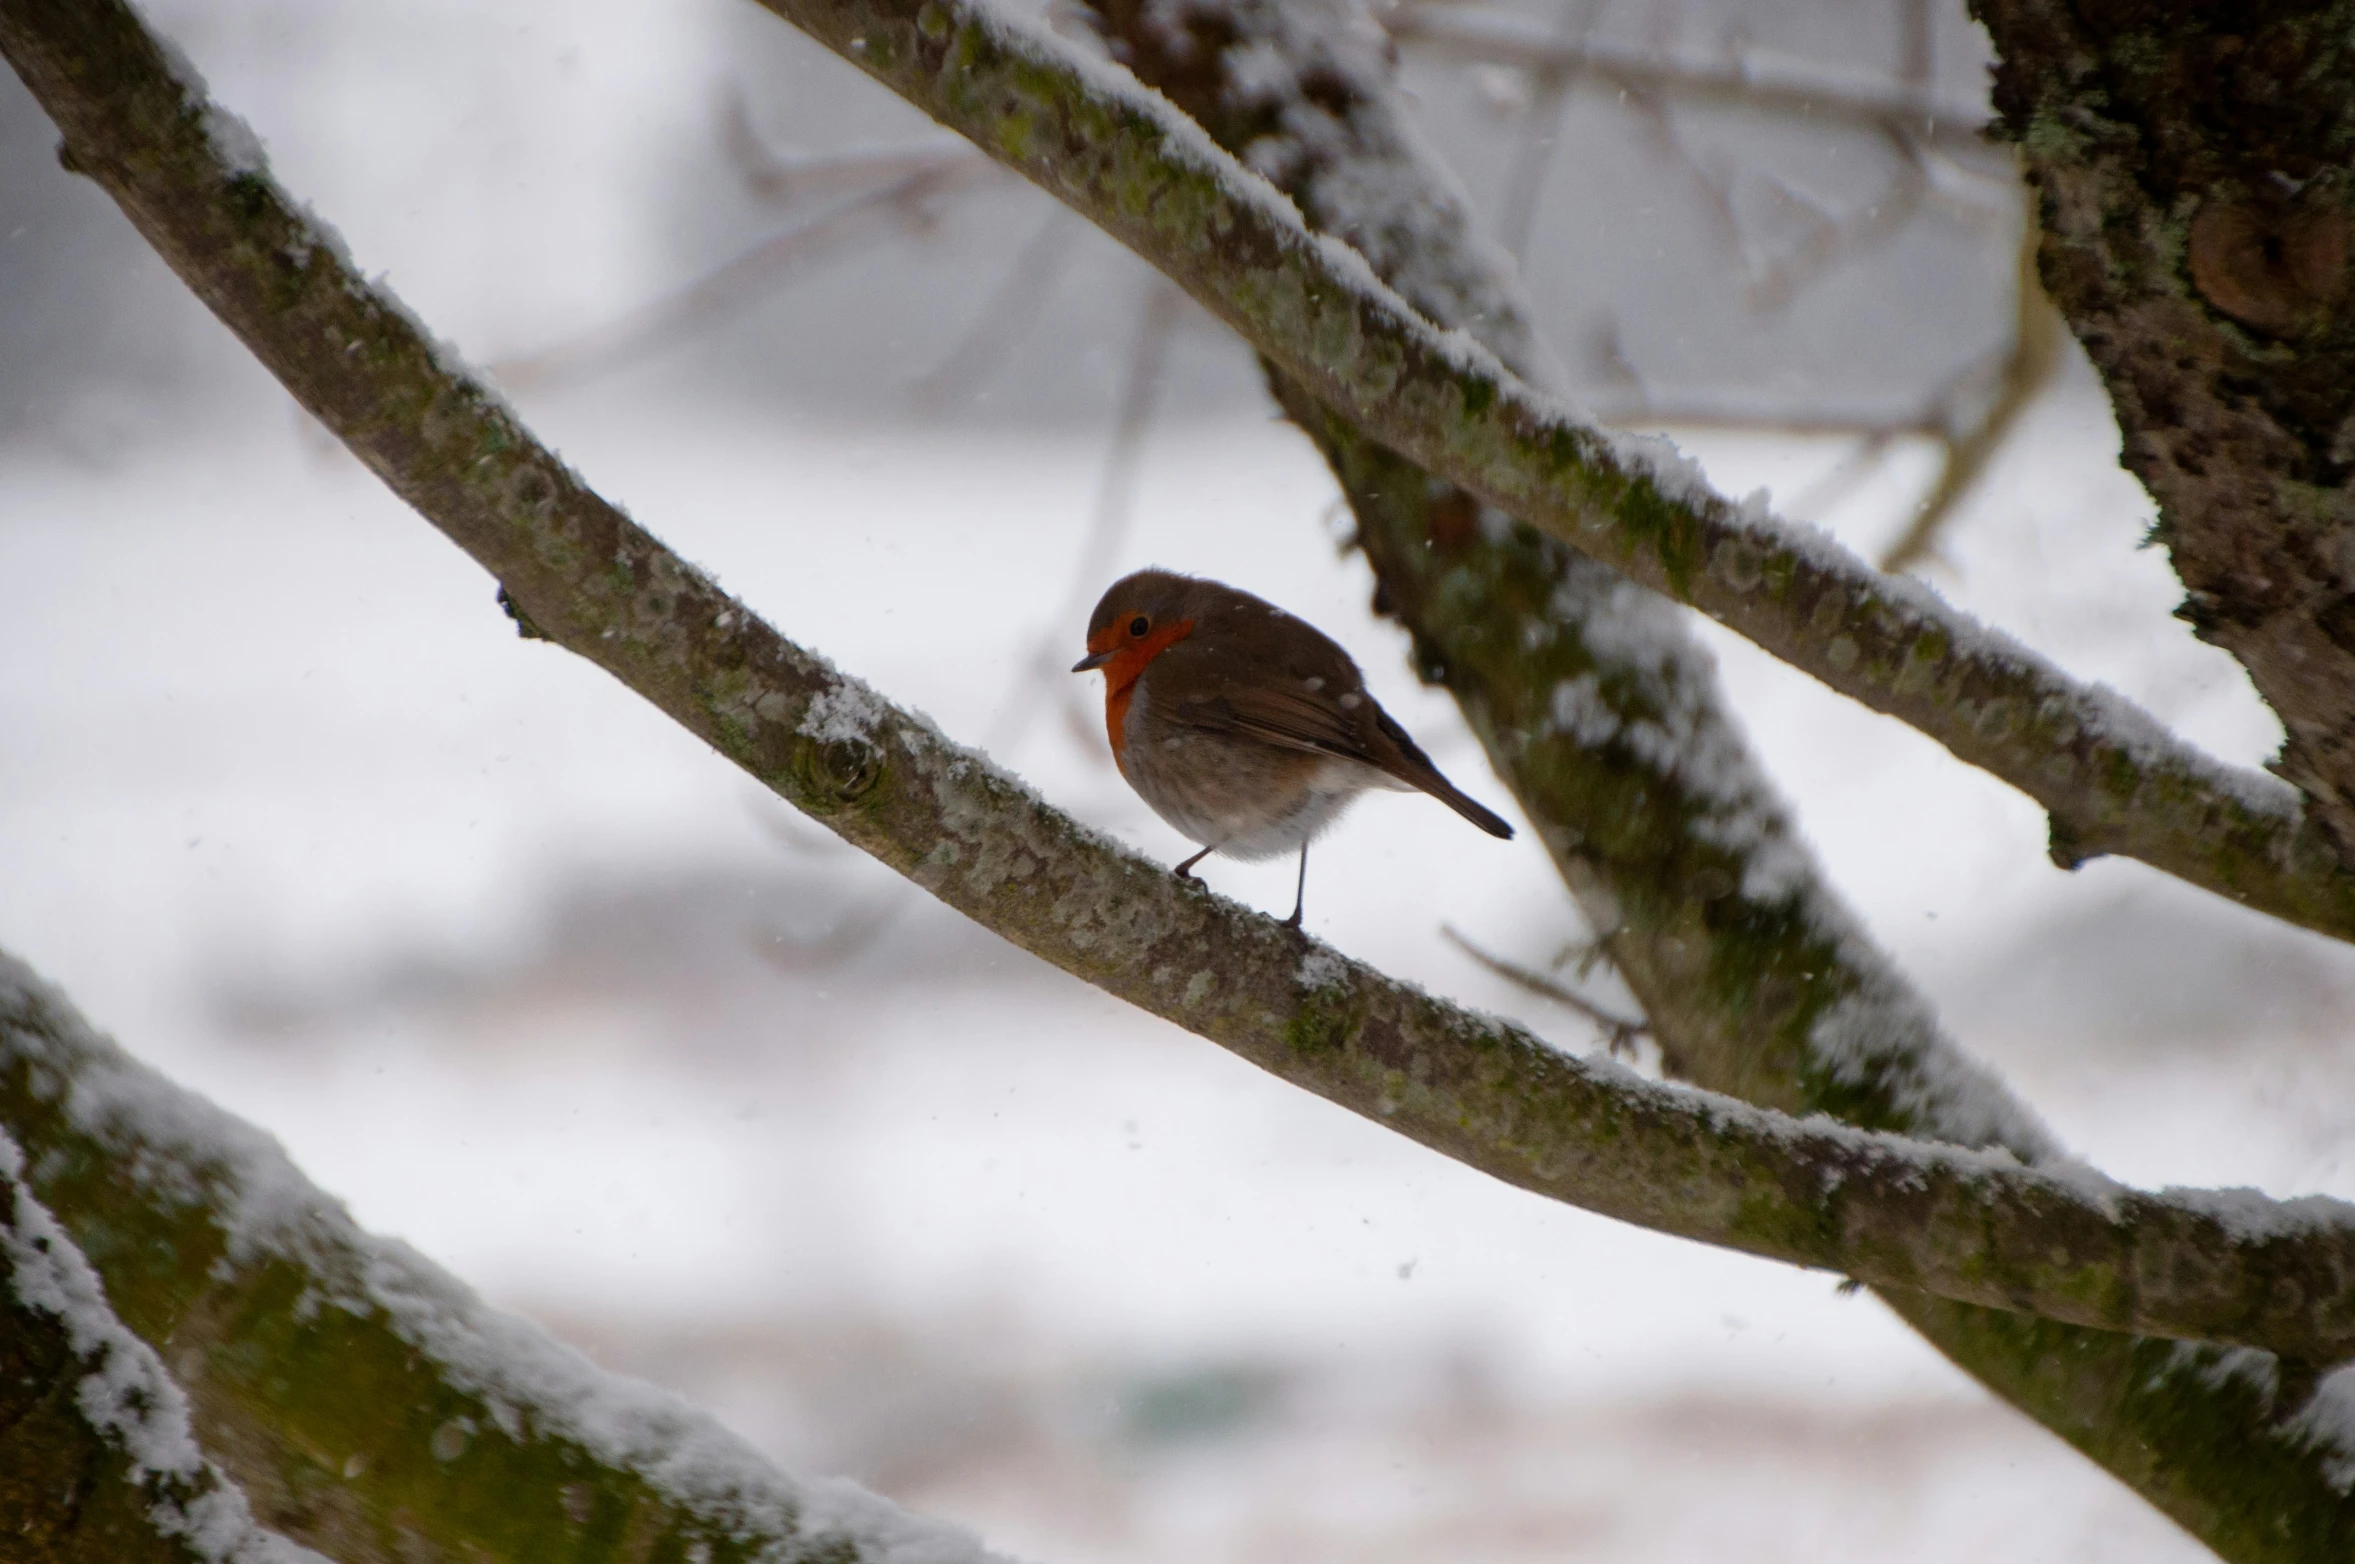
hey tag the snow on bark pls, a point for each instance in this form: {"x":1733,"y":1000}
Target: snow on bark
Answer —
{"x":206,"y":1167}
{"x":124,"y":1393}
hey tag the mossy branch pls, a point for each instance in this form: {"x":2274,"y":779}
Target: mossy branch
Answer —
{"x":97,"y":1459}
{"x":368,"y":1403}
{"x":2111,"y":778}
{"x":1753,"y":976}
{"x":1962,"y":1224}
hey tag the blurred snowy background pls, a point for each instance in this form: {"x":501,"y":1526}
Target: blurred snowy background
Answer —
{"x":535,"y":982}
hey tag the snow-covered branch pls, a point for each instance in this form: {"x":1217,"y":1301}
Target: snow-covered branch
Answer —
{"x":97,"y":1456}
{"x":368,"y":1403}
{"x":1969,"y":1225}
{"x":1753,"y":976}
{"x":2112,"y":778}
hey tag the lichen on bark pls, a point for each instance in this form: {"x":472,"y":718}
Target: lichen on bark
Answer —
{"x":2195,"y":177}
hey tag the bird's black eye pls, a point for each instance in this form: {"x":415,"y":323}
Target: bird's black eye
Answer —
{"x":1139,"y":625}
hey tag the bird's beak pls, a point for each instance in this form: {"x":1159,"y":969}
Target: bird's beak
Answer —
{"x":1093,"y":660}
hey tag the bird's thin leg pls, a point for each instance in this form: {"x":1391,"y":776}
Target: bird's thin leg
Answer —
{"x":1299,"y":890}
{"x":1185,"y":871}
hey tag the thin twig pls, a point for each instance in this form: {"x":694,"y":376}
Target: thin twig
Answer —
{"x":1783,"y":88}
{"x":1846,"y":476}
{"x":739,"y":282}
{"x":1537,"y":135}
{"x":1771,"y":282}
{"x":855,"y":931}
{"x":1011,"y":310}
{"x":2032,"y":358}
{"x":1620,"y":1034}
{"x":784,"y":179}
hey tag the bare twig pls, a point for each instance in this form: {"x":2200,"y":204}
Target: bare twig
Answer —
{"x":855,"y":931}
{"x":1774,"y":281}
{"x":784,"y":179}
{"x":1619,"y":1033}
{"x":740,"y":281}
{"x":1846,"y":476}
{"x":1780,"y":87}
{"x":1011,"y":309}
{"x":1537,"y":134}
{"x":2031,"y":359}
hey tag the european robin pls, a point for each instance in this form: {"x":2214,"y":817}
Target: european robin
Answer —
{"x":1245,"y":728}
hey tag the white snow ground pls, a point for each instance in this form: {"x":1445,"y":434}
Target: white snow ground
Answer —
{"x":537,"y":983}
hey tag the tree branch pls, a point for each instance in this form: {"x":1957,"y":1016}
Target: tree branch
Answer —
{"x":97,"y":1460}
{"x":2198,"y":216}
{"x":2112,"y":779}
{"x":1753,"y":975}
{"x":1963,"y":1224}
{"x":369,"y":1403}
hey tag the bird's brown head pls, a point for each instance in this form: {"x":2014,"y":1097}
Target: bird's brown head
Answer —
{"x":1138,"y":618}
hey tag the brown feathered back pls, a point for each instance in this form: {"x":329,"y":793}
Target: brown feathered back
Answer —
{"x":1249,"y":668}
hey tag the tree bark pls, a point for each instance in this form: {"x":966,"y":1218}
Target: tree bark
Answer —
{"x":2192,"y":169}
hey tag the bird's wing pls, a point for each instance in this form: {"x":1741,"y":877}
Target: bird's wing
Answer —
{"x":1299,"y":718}
{"x":1276,"y":715}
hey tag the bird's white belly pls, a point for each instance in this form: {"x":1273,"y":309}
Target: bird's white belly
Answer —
{"x":1241,"y":796}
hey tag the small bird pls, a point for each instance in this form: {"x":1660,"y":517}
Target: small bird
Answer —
{"x":1245,"y":728}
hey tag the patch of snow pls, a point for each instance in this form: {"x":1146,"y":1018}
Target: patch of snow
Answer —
{"x":1322,"y":967}
{"x":2252,"y":1216}
{"x":234,"y":142}
{"x":1884,"y":1036}
{"x":2326,"y":1422}
{"x":847,"y":712}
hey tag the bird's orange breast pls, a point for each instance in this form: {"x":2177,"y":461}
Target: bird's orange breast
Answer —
{"x":1121,"y":675}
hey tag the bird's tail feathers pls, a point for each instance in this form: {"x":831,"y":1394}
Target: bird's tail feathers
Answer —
{"x":1470,"y":808}
{"x":1411,"y":766}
